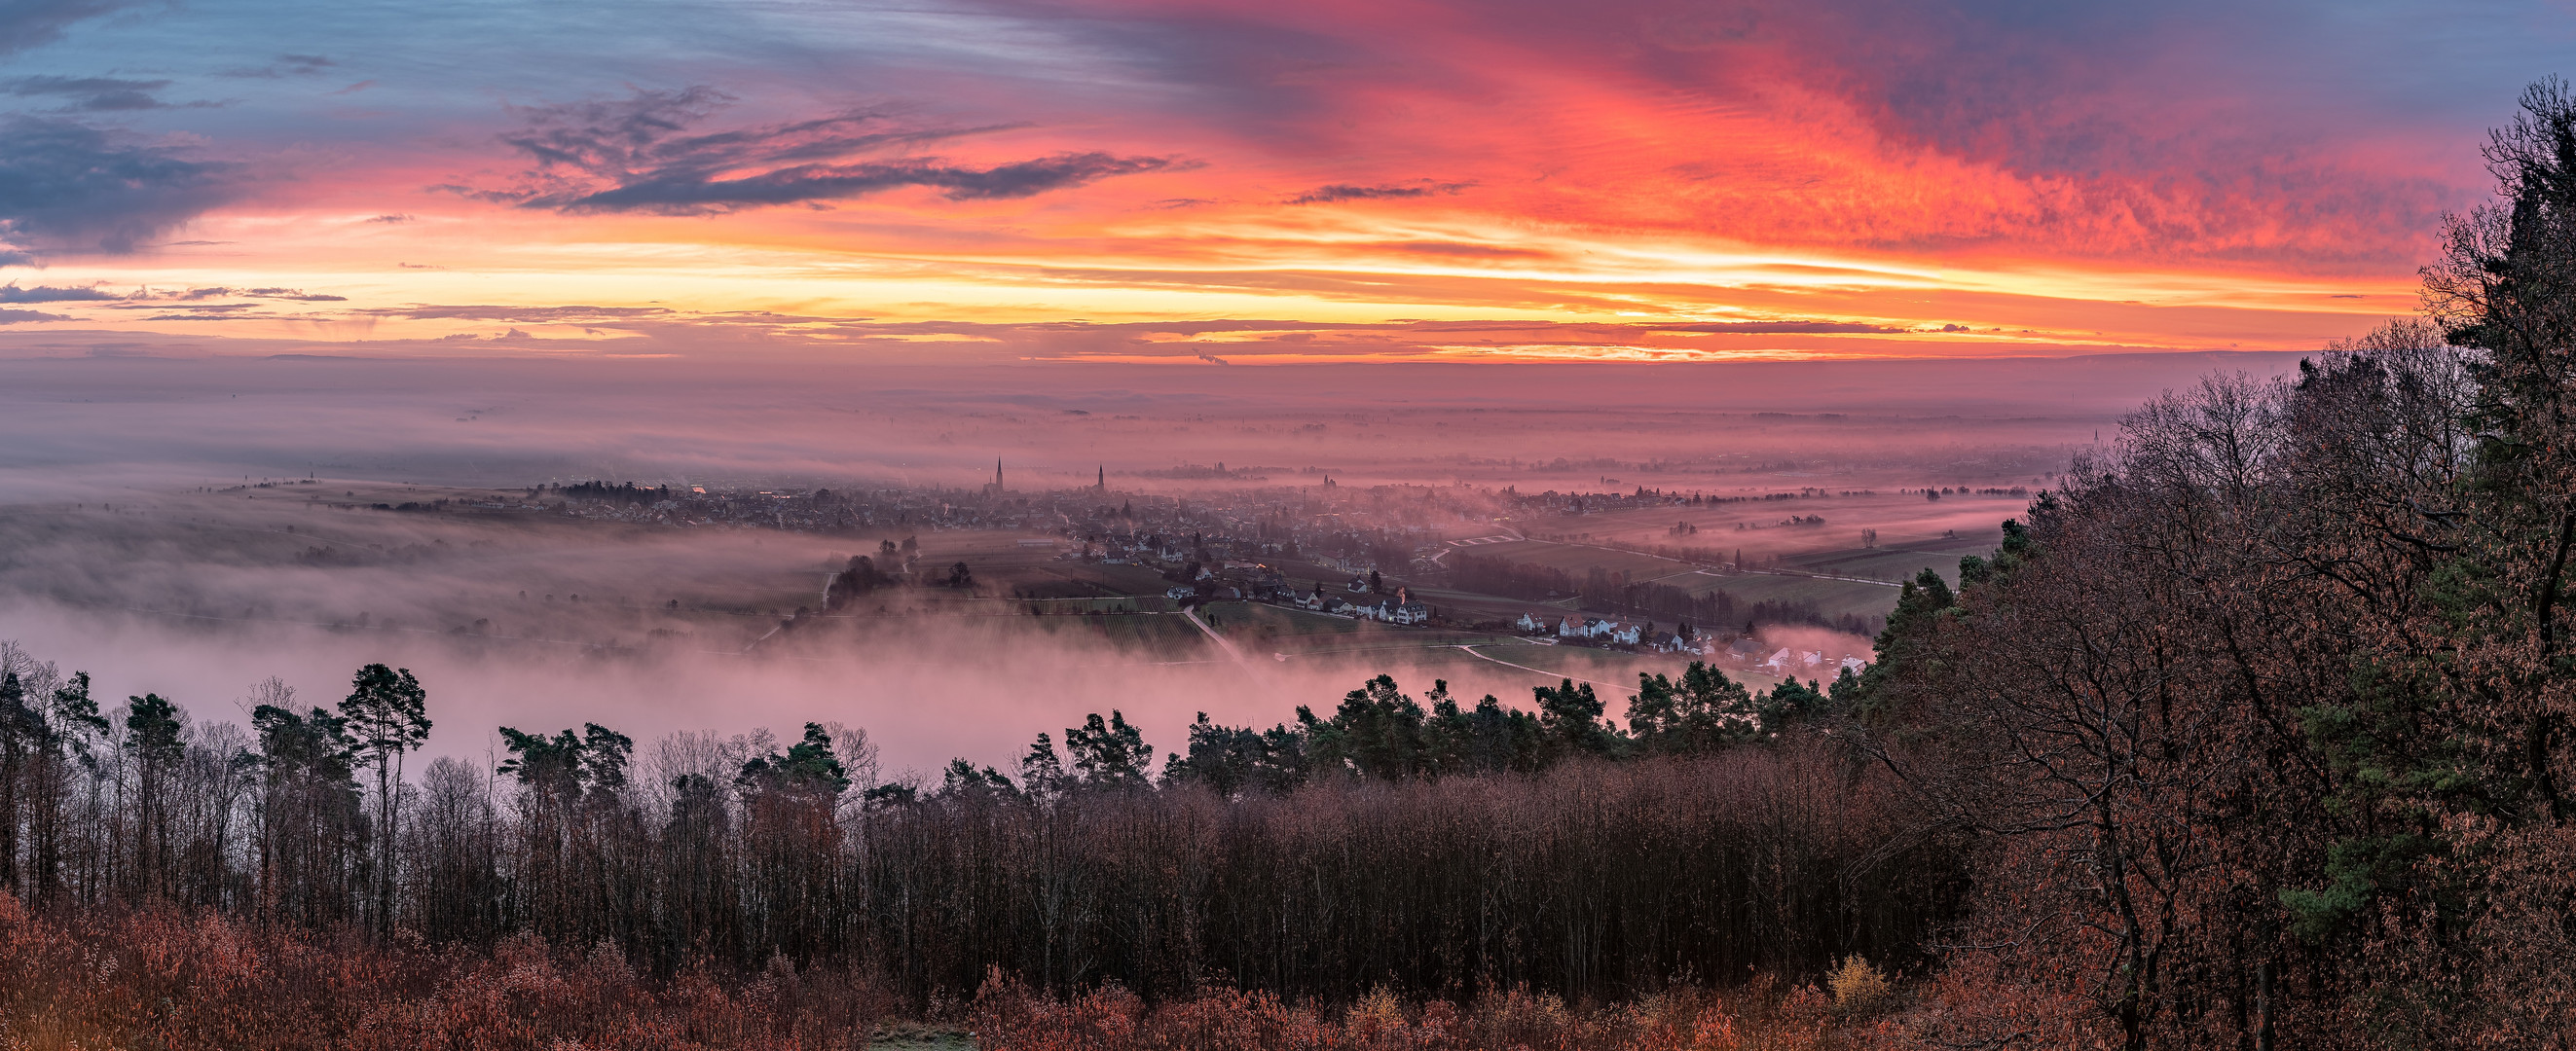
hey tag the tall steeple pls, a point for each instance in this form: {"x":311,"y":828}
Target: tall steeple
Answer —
{"x":997,"y":474}
{"x":1103,"y":483}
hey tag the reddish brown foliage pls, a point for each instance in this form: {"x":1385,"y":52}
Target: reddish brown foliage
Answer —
{"x":1008,"y":1017}
{"x":159,"y":979}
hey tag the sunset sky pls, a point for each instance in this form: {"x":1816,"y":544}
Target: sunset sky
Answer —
{"x":1245,"y":182}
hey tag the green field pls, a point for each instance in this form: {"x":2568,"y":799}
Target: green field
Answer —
{"x":1831,"y":597}
{"x":1576,"y":559}
{"x":1895,"y":562}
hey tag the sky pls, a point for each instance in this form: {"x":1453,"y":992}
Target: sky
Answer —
{"x":1199,"y":182}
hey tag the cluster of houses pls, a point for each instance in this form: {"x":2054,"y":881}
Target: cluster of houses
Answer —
{"x":1236,"y":580}
{"x":1785,"y":661}
{"x":1607,"y":632}
{"x":1259,"y":583}
{"x":1397,"y":610}
{"x":1746,"y":651}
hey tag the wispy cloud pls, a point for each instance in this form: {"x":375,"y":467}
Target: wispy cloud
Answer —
{"x":525,"y":315}
{"x":96,"y":94}
{"x":289,"y":65}
{"x":295,"y":294}
{"x":1344,"y":192}
{"x":28,"y":24}
{"x":12,"y":293}
{"x":638,"y":154}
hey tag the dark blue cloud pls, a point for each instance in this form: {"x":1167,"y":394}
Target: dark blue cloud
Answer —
{"x":70,"y":187}
{"x":34,"y":23}
{"x":285,"y":66}
{"x":693,"y":192}
{"x":93,"y":94}
{"x":11,"y":293}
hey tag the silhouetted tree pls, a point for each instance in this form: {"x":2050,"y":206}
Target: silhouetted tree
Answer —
{"x":309,"y":815}
{"x":1109,"y":754}
{"x":386,"y":715}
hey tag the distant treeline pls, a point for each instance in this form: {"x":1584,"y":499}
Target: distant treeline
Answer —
{"x":1434,"y":846}
{"x":622,"y":492}
{"x":1603,"y":591}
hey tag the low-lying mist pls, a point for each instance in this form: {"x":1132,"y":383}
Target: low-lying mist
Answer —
{"x":542,"y":624}
{"x":126,"y":550}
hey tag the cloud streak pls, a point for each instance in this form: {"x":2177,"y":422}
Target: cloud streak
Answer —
{"x":639,"y":154}
{"x":95,"y":94}
{"x":1339,"y":192}
{"x":12,"y":293}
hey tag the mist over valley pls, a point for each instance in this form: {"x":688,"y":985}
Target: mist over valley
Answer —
{"x":158,"y":532}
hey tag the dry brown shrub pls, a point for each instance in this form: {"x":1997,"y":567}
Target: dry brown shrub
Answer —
{"x":156,"y":978}
{"x":1859,"y":988}
{"x":1010,"y":1017}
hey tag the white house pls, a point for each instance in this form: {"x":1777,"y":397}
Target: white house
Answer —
{"x":1670,"y":642}
{"x":1530,"y":623}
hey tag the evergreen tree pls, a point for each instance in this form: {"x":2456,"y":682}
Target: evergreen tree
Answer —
{"x":1041,"y":770}
{"x":154,"y":746}
{"x":1376,"y":732}
{"x":387,"y":715}
{"x":1110,"y":754}
{"x":808,"y":766}
{"x":309,"y":812}
{"x":1486,"y":739}
{"x":962,"y":780}
{"x":1569,"y":715}
{"x":1700,"y":713}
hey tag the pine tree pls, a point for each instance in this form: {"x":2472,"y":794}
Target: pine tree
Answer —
{"x":387,"y":715}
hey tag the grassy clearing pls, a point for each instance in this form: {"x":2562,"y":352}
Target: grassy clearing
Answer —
{"x":1898,"y":561}
{"x":1576,"y":559}
{"x":1830,"y":597}
{"x":910,"y":1036}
